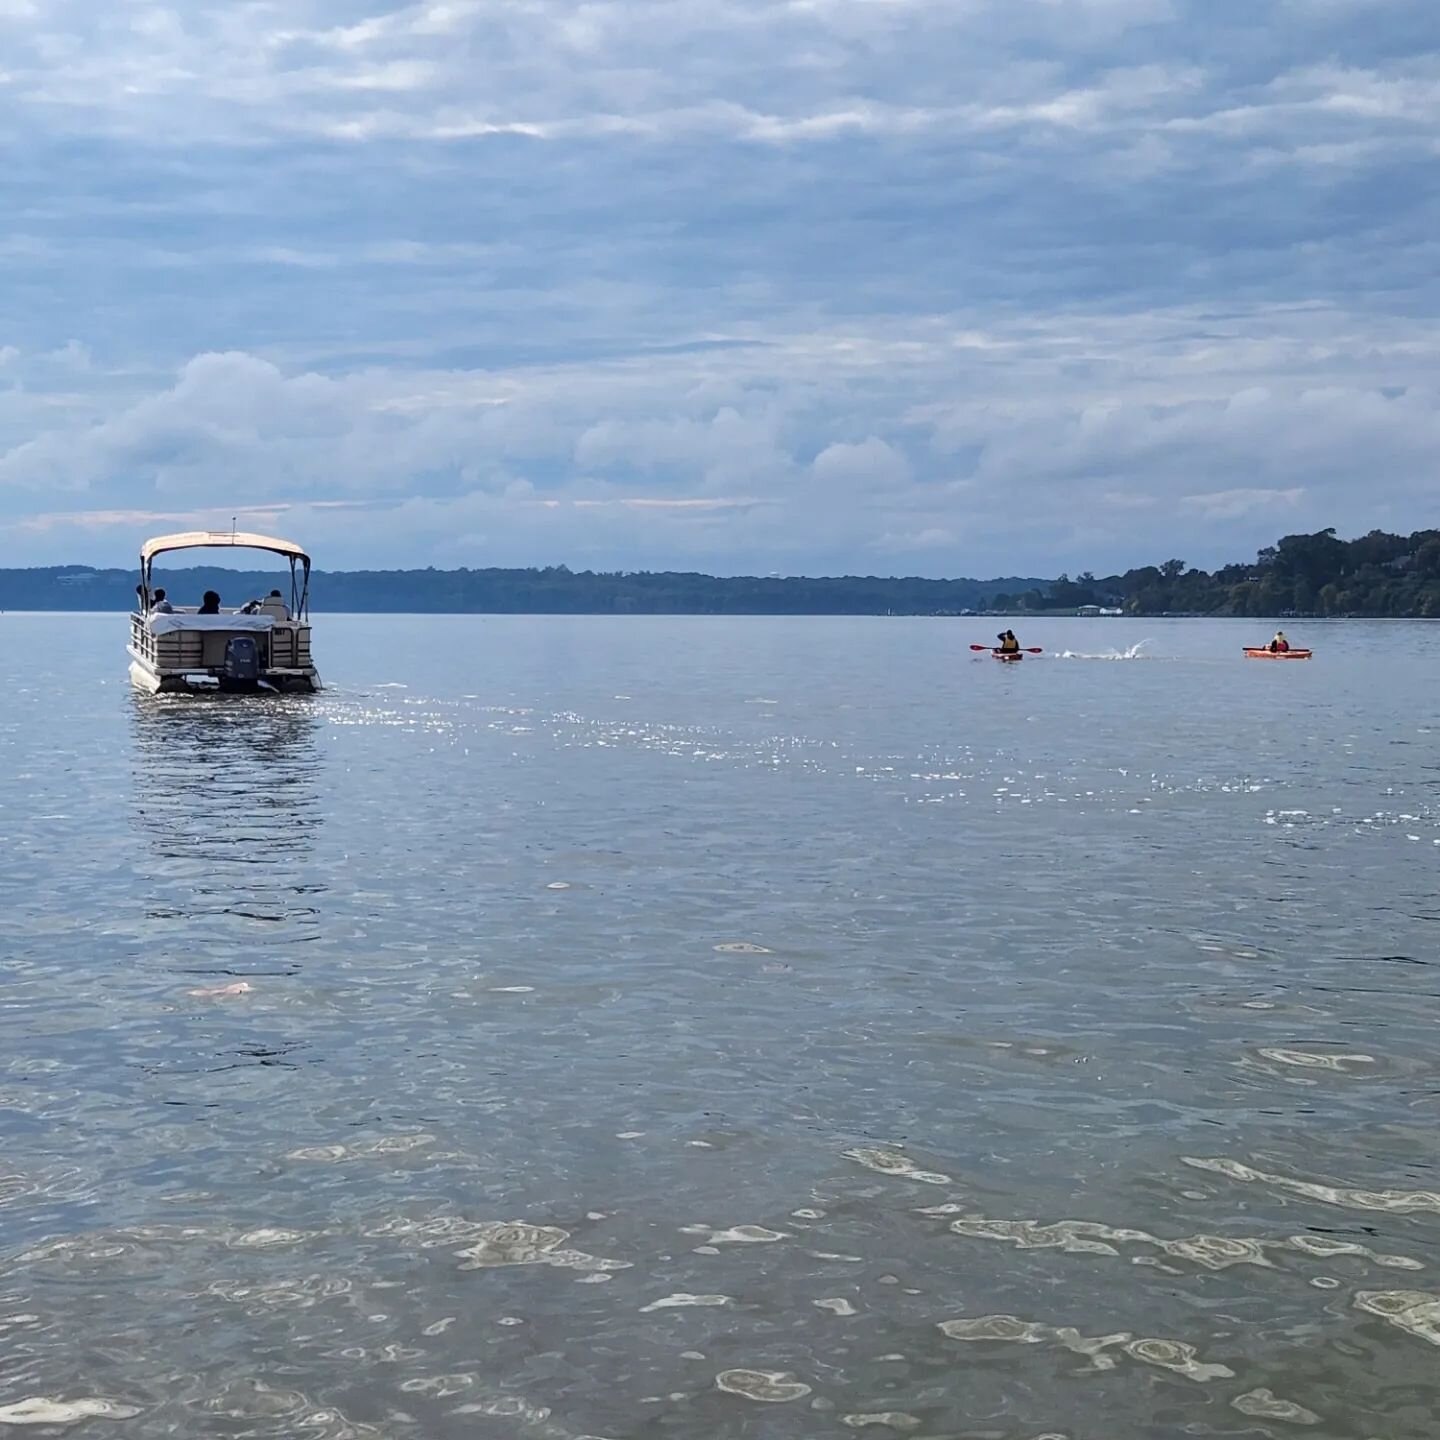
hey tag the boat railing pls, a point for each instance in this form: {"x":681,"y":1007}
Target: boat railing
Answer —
{"x":284,"y":646}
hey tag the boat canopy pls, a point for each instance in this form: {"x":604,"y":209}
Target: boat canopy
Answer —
{"x":231,"y":540}
{"x":217,"y":539}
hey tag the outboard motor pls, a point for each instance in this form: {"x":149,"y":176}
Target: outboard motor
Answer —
{"x":242,"y":660}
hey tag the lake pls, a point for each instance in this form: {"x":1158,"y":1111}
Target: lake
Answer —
{"x":569,"y":1027}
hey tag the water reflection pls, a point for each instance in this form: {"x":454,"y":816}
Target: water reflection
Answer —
{"x":226,"y":796}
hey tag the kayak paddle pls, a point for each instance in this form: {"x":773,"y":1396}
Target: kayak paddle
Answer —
{"x":1026,"y":649}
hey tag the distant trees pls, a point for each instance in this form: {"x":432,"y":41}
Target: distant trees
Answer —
{"x":1307,"y":574}
{"x":553,"y":590}
{"x":1378,"y":574}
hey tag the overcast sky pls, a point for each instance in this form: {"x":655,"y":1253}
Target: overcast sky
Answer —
{"x":946,"y":287}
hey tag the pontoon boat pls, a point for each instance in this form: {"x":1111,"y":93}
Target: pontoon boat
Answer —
{"x":264,"y":645}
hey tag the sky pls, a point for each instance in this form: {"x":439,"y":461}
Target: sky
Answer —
{"x":933,"y":287}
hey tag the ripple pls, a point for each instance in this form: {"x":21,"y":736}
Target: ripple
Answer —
{"x":746,"y":1235}
{"x":1413,"y":1311}
{"x":1264,"y":1405}
{"x":41,"y":1410}
{"x":1400,"y":1202}
{"x":1176,"y":1356}
{"x":995,"y":1327}
{"x":1211,"y":1252}
{"x":499,"y":1243}
{"x":887,"y":1162}
{"x":772,"y":1387}
{"x":364,"y":1150}
{"x":1313,"y":1060}
{"x":297,"y":1293}
{"x":1172,"y":1355}
{"x":683,"y":1299}
{"x":890,"y":1419}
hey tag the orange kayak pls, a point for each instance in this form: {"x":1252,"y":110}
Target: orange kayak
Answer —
{"x":1264,"y":653}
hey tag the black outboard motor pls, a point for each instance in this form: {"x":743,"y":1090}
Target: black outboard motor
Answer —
{"x":242,"y":661}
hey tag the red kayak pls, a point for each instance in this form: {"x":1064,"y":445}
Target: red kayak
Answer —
{"x":1263,"y":652}
{"x":1007,"y":655}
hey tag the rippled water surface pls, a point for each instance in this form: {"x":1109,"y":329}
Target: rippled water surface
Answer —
{"x":581,"y":1027}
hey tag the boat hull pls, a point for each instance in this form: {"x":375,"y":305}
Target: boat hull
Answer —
{"x":1264,"y":654}
{"x":150,"y":681}
{"x":1007,"y":657}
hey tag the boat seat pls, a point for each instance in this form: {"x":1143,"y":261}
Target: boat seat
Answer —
{"x":276,"y":608}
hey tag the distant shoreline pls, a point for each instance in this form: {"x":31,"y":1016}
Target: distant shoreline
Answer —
{"x":1019,"y":617}
{"x":1301,"y":577}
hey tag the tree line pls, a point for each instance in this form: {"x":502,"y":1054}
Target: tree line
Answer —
{"x":1378,"y":574}
{"x":1316,"y":574}
{"x":553,"y":590}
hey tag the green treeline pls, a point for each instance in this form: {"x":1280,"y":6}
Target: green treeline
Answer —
{"x":1377,"y":575}
{"x":554,"y":590}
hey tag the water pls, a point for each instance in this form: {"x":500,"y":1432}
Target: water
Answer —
{"x":580,"y":1027}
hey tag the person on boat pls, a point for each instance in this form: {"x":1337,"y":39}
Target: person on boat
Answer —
{"x":1279,"y":645}
{"x":210,"y":604}
{"x":1008,"y":645}
{"x":162,"y":606}
{"x":273,"y":604}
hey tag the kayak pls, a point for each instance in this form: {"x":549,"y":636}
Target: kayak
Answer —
{"x":1262,"y":653}
{"x":1007,"y":655}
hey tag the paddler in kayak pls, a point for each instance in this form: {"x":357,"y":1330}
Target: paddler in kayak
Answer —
{"x":1008,"y":645}
{"x":1279,"y":645}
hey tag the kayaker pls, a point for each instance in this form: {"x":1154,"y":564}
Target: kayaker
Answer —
{"x":1279,"y":645}
{"x":1008,"y":645}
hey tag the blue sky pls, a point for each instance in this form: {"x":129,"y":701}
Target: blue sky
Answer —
{"x":898,"y":286}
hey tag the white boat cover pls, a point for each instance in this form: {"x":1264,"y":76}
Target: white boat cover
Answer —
{"x":162,"y":624}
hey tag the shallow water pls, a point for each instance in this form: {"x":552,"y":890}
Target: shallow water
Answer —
{"x":622,"y":1028}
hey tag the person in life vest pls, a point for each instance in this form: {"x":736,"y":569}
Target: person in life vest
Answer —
{"x":1279,"y":645}
{"x":1008,"y":645}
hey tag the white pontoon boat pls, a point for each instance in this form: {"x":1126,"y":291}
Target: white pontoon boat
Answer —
{"x":262,"y":646}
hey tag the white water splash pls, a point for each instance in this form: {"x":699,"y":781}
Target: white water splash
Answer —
{"x":1134,"y":652}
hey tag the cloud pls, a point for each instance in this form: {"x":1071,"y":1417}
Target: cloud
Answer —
{"x":1233,"y":504}
{"x":957,"y":284}
{"x":870,"y":467}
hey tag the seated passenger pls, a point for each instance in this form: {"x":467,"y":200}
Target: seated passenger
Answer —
{"x":274,"y":604}
{"x":1279,"y":645}
{"x":161,"y":605}
{"x":210,"y":604}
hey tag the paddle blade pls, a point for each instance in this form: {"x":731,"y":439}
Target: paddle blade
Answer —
{"x":1033,"y":650}
{"x":979,"y":647}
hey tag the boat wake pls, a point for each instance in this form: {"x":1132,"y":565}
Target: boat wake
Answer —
{"x":1135,"y":652}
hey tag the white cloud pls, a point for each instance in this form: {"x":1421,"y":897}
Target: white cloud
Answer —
{"x":1233,"y":504}
{"x":727,"y":282}
{"x":869,"y":467}
{"x":894,"y":445}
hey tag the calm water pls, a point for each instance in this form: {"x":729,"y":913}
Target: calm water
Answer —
{"x":724,"y":1028}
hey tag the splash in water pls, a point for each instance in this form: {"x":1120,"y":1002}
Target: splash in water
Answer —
{"x":1134,"y":652}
